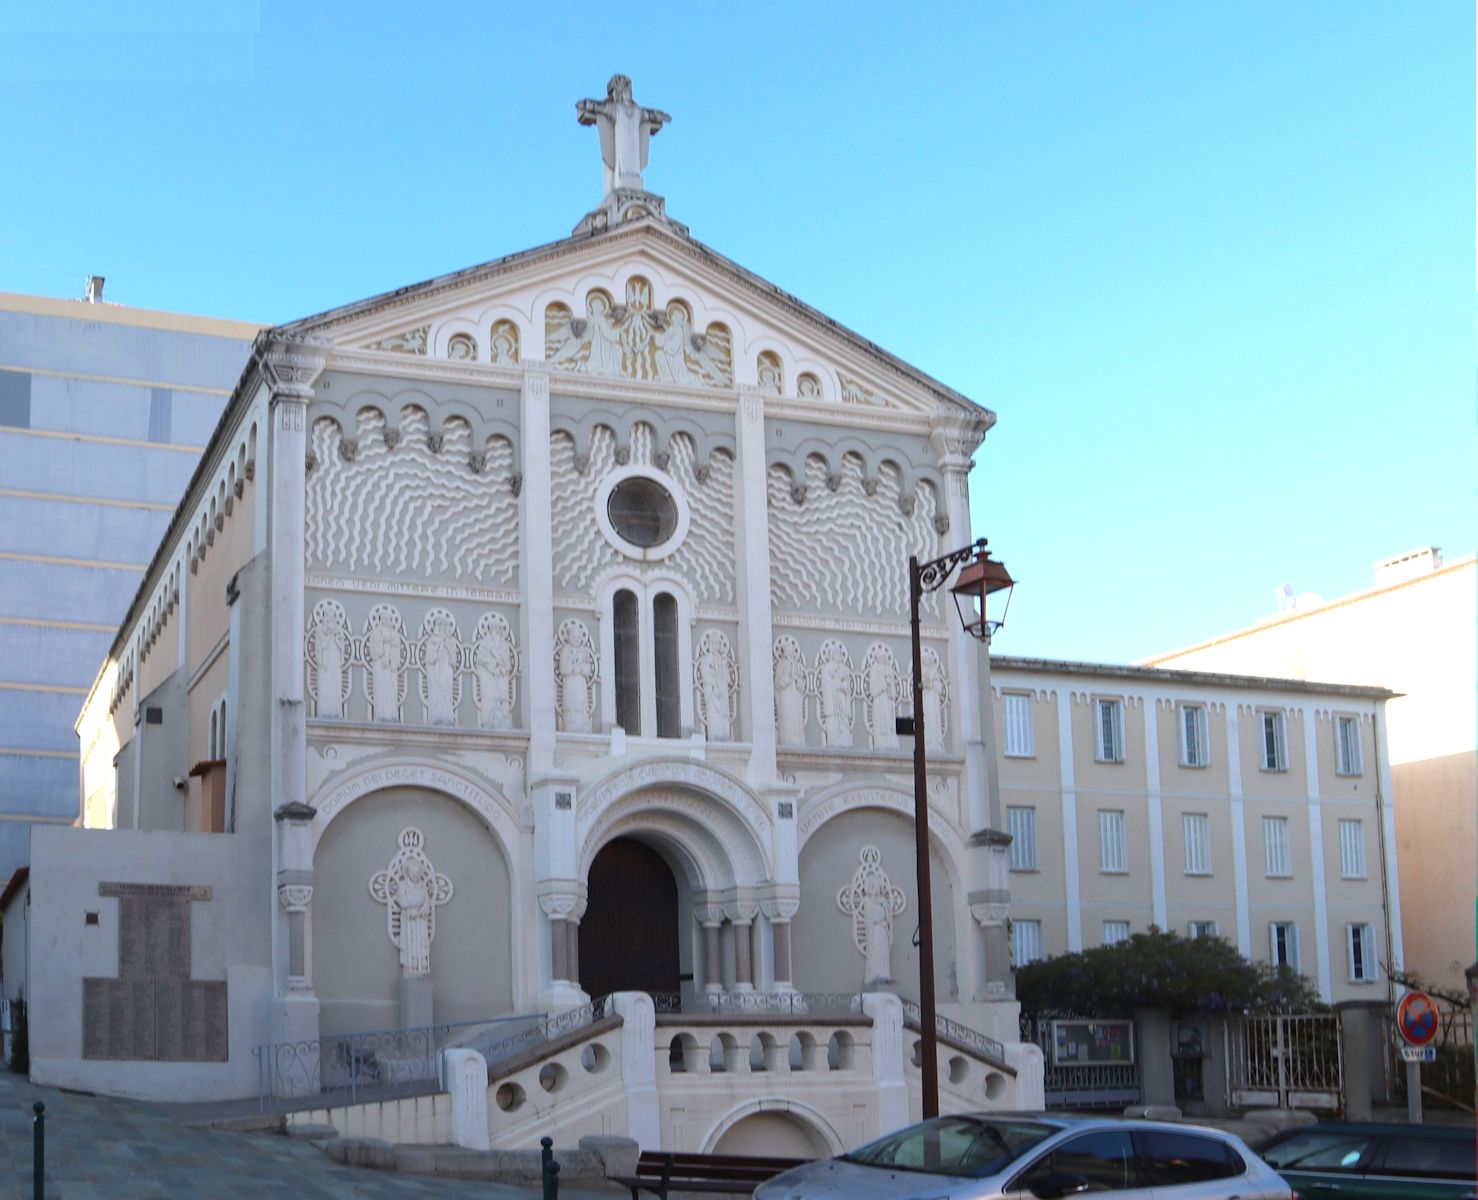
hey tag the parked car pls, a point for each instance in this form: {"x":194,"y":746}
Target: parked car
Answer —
{"x":1389,"y":1162}
{"x":1034,"y":1156}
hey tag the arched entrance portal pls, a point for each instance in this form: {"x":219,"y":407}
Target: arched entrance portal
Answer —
{"x":628,"y":938}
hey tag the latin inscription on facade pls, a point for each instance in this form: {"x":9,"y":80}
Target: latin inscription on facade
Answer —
{"x":153,"y":1011}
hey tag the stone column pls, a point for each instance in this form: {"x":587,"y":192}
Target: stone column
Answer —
{"x":741,"y":916}
{"x":711,"y":918}
{"x":295,"y":1016}
{"x":558,"y":907}
{"x":294,"y":899}
{"x":572,"y":941}
{"x":995,"y":980}
{"x":778,"y":913}
{"x":756,"y":630}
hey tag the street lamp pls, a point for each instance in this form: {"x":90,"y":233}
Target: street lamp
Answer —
{"x":981,"y":576}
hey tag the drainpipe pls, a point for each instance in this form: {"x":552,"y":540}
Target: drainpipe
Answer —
{"x":1380,"y":828}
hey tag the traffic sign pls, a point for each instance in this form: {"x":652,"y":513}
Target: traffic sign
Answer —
{"x":1418,"y":1054}
{"x":1417,"y":1019}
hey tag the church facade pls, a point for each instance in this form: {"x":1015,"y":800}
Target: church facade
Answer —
{"x":538,"y":633}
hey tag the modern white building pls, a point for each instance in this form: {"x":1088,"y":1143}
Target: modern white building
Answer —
{"x":1254,"y":809}
{"x":531,"y":634}
{"x":104,"y":410}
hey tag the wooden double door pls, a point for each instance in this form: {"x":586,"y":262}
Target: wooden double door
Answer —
{"x":628,"y":936}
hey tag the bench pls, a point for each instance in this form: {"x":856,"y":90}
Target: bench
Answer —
{"x":657,"y":1172}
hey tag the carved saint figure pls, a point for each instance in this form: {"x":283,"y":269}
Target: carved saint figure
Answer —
{"x":493,"y":666}
{"x":934,"y":697}
{"x":441,"y":656}
{"x":880,"y":685}
{"x":504,"y":351}
{"x":605,"y":341}
{"x":790,"y":692}
{"x":872,"y":902}
{"x":384,"y":650}
{"x":834,"y":688}
{"x":715,"y":675}
{"x":575,"y":671}
{"x":411,"y":891}
{"x":672,"y":347}
{"x":329,"y":651}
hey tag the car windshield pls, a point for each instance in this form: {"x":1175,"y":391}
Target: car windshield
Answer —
{"x":963,"y":1146}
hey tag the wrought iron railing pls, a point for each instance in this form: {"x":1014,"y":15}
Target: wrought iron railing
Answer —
{"x":962,"y":1035}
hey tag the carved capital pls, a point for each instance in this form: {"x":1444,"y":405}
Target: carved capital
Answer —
{"x":292,"y":367}
{"x":294,"y":897}
{"x":708,"y":914}
{"x":560,"y":906}
{"x":741,"y":912}
{"x":956,"y":432}
{"x":777,"y":911}
{"x":987,"y":915}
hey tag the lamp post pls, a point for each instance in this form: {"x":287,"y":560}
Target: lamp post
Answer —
{"x":981,"y":576}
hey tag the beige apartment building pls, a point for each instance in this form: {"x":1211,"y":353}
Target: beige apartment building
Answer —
{"x":1253,"y":809}
{"x":1413,"y":632}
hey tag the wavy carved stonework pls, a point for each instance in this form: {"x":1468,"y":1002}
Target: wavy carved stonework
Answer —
{"x":411,"y":511}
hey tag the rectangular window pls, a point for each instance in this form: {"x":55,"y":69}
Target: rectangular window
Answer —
{"x":1201,"y":929}
{"x":1347,"y":746}
{"x":1360,"y":953}
{"x":1026,"y":941}
{"x":1274,"y":742}
{"x":1283,"y":944}
{"x":1113,"y":855}
{"x":1022,"y":826}
{"x":1275,"y":846}
{"x":1110,"y":732}
{"x":1195,"y":742}
{"x":1352,"y":849}
{"x":15,"y":399}
{"x":1115,"y":932}
{"x":1020,"y":736}
{"x":161,"y":404}
{"x":1197,"y":827}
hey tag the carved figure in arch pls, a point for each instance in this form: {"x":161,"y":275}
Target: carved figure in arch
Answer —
{"x":411,"y":891}
{"x":329,"y":651}
{"x":576,"y":669}
{"x":441,"y":666}
{"x":717,"y":676}
{"x":808,"y":387}
{"x":673,"y":346}
{"x":792,"y":682}
{"x":494,"y":670}
{"x":835,"y":688}
{"x":461,"y":348}
{"x":770,"y":374}
{"x":872,"y":901}
{"x":882,"y":688}
{"x":935,"y":689}
{"x":503,"y":344}
{"x":385,"y":654}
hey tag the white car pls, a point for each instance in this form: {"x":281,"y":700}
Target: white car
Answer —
{"x":1036,"y":1156}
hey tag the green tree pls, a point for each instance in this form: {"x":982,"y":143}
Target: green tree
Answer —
{"x":1161,"y":970}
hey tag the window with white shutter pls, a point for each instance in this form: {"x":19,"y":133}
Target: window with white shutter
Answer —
{"x":1115,"y":932}
{"x":1021,"y":823}
{"x":1360,"y":953}
{"x":1352,"y":849}
{"x":1275,"y":846}
{"x":1026,"y":942}
{"x":1197,"y":828}
{"x":1348,"y":760}
{"x":1195,"y":742}
{"x":1283,"y":944}
{"x":1110,"y":733}
{"x":1274,"y":742}
{"x":1113,"y":855}
{"x":1020,"y":735}
{"x":1201,"y":929}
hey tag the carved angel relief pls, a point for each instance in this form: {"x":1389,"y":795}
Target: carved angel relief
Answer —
{"x":494,"y":672}
{"x":440,"y":655}
{"x":411,"y":891}
{"x":716,"y":683}
{"x":882,"y":689}
{"x":329,"y":651}
{"x":792,"y":684}
{"x":872,"y":901}
{"x":386,"y":655}
{"x":576,"y":669}
{"x":636,"y":340}
{"x":410,"y":341}
{"x":835,"y":689}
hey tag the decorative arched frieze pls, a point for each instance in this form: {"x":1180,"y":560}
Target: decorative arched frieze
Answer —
{"x":347,"y":413}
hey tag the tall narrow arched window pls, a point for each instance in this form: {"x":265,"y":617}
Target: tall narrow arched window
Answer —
{"x":626,"y":626}
{"x":669,"y":680}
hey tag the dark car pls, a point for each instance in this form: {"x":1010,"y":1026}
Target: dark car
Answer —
{"x":1353,"y":1160}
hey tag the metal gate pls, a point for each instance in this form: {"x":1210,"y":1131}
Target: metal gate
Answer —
{"x":1285,"y":1062}
{"x":1110,"y":1085}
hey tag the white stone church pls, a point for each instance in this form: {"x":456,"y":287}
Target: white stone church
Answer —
{"x":537,"y":634}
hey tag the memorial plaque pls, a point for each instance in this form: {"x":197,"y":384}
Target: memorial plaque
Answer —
{"x":153,"y":1011}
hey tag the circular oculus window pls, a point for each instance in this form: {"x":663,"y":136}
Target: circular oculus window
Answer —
{"x":642,"y":511}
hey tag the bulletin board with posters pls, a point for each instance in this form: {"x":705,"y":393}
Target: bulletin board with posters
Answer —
{"x":1092,"y":1043}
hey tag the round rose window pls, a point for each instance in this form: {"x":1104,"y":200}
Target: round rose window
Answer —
{"x":642,"y":511}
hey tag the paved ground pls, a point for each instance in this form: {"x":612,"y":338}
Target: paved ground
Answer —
{"x":103,"y":1149}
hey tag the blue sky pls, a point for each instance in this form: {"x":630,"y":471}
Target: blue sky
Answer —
{"x":1212,"y":264}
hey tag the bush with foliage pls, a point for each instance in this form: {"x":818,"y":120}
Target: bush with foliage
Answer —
{"x":1161,"y":970}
